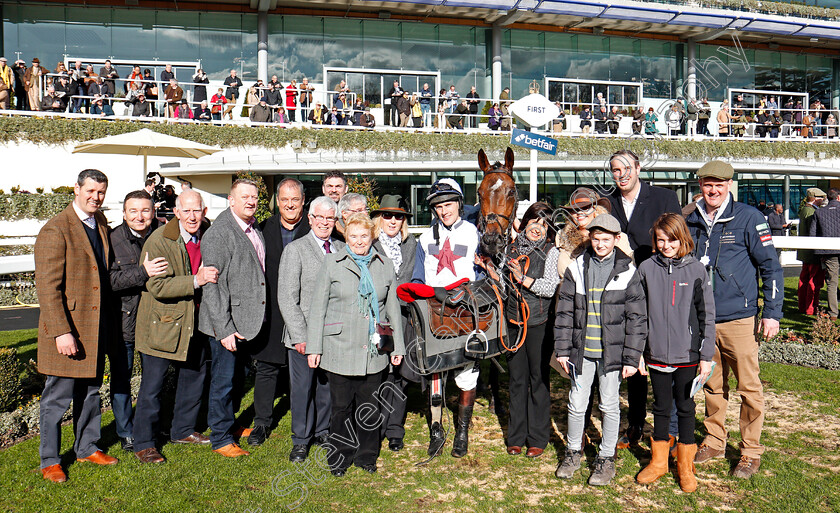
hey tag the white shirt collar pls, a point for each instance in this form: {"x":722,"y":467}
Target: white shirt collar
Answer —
{"x":83,"y":216}
{"x":701,"y":207}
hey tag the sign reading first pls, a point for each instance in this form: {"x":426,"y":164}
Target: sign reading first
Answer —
{"x":534,"y":110}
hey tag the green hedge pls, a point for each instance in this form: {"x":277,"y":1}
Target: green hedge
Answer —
{"x":32,"y":206}
{"x":443,"y":146}
{"x":9,"y":378}
{"x":806,"y":355}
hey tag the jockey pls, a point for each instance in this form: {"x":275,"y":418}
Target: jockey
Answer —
{"x":445,"y":255}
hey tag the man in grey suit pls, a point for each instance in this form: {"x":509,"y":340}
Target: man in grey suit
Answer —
{"x":232,"y":310}
{"x":299,"y":267}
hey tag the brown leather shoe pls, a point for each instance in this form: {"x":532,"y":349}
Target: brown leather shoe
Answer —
{"x":514,"y":450}
{"x":746,"y":467}
{"x":150,"y":455}
{"x":707,"y":452}
{"x":100,"y":458}
{"x":195,"y":438}
{"x":54,"y":473}
{"x":240,"y":432}
{"x":231,"y":451}
{"x":534,"y":452}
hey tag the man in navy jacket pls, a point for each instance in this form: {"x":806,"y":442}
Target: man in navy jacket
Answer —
{"x":733,"y":241}
{"x":637,"y":205}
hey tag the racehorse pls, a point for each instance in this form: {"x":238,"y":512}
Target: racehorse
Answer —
{"x":497,"y":199}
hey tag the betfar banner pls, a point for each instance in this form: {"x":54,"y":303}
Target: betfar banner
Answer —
{"x":533,"y":141}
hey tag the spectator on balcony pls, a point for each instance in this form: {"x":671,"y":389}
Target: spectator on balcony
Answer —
{"x":317,"y":115}
{"x":59,"y":69}
{"x":807,"y":130}
{"x":100,"y":107}
{"x":334,"y":117}
{"x":739,"y":123}
{"x":109,"y":74}
{"x":218,"y":102}
{"x":831,"y":126}
{"x":798,"y":113}
{"x":358,"y":110}
{"x":32,"y":82}
{"x":77,"y":87}
{"x":305,"y":98}
{"x":762,"y":124}
{"x":172,"y":95}
{"x":166,"y":75}
{"x":600,"y":101}
{"x":494,"y":119}
{"x":775,"y":124}
{"x":703,"y":116}
{"x":96,"y":88}
{"x":613,"y":119}
{"x":473,"y":104}
{"x":724,"y":121}
{"x":787,"y":117}
{"x":51,"y":102}
{"x":691,"y":113}
{"x":291,"y":99}
{"x":133,"y":83}
{"x":62,"y":90}
{"x":440,"y":119}
{"x":280,"y":116}
{"x":426,"y":102}
{"x":600,"y":119}
{"x":367,"y":119}
{"x":456,"y":120}
{"x":7,"y":84}
{"x":673,"y":119}
{"x":275,"y":82}
{"x":273,"y":96}
{"x":391,"y":115}
{"x":21,"y":97}
{"x":416,"y":111}
{"x":202,"y":113}
{"x":452,"y":96}
{"x":142,"y":108}
{"x":150,"y":88}
{"x":404,"y":109}
{"x":341,"y":104}
{"x":200,"y":91}
{"x":817,"y":109}
{"x":233,"y":84}
{"x":650,"y":122}
{"x":261,"y":112}
{"x":585,"y":119}
{"x":638,"y":120}
{"x":183,"y":111}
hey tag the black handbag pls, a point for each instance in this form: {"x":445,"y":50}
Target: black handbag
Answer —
{"x":386,"y":337}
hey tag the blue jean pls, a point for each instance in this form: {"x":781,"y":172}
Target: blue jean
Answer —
{"x":227,"y":374}
{"x":122,"y":363}
{"x":426,"y":110}
{"x":608,"y":383}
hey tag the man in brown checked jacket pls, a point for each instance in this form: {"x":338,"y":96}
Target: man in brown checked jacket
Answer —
{"x":71,"y":273}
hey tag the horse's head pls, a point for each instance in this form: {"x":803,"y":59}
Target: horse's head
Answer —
{"x":497,"y":198}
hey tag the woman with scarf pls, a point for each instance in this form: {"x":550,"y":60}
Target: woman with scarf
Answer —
{"x":393,"y":240}
{"x":354,"y":331}
{"x":533,"y":272}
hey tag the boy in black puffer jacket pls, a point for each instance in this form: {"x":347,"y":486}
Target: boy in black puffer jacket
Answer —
{"x":600,"y":326}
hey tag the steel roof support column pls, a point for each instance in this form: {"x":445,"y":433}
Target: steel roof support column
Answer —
{"x":496,"y":70}
{"x":691,"y":75}
{"x":262,"y":46}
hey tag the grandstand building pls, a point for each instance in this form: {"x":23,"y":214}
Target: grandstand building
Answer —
{"x":634,"y":53}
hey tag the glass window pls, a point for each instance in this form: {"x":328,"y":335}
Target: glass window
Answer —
{"x":220,"y":50}
{"x":420,"y":47}
{"x":625,"y":60}
{"x":87,"y":34}
{"x":658,"y":67}
{"x":177,"y":39}
{"x":768,"y":73}
{"x":793,"y":72}
{"x":591,"y":59}
{"x":457,"y":60}
{"x":40,"y":32}
{"x":382,"y":46}
{"x":819,"y":78}
{"x":343,"y":46}
{"x":302,"y":50}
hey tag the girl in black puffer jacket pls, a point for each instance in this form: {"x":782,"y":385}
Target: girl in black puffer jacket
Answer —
{"x":681,"y":336}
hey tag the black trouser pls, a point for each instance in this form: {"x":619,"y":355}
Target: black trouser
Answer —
{"x":354,"y":442}
{"x":291,"y":114}
{"x":190,"y":388}
{"x":394,"y":403}
{"x":530,"y":403}
{"x":266,"y":378}
{"x":669,"y":388}
{"x":473,"y":119}
{"x":637,"y":390}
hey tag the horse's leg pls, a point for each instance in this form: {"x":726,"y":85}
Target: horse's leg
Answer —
{"x":437,"y":437}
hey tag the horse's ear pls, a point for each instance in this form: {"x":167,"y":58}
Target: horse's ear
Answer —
{"x":509,"y":160}
{"x":483,"y":163}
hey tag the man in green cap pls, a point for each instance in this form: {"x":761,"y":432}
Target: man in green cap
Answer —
{"x":733,"y":241}
{"x":812,"y":276}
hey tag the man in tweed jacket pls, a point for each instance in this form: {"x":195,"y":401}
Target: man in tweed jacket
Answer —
{"x":71,"y":273}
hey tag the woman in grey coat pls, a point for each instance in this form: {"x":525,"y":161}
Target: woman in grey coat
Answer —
{"x":393,"y":240}
{"x":354,"y":307}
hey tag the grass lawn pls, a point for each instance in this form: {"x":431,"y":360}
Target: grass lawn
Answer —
{"x":800,"y":470}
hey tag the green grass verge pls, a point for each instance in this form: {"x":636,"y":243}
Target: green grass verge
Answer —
{"x":799,"y":470}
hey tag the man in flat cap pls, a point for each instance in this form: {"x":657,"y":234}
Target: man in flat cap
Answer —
{"x":733,"y":241}
{"x":811,"y":277}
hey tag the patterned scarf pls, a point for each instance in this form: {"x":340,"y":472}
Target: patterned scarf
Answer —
{"x":391,"y":245}
{"x":524,"y":245}
{"x":368,"y":300}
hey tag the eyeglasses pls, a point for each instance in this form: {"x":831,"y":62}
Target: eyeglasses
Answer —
{"x":392,"y":215}
{"x":360,"y":210}
{"x":322,"y":219}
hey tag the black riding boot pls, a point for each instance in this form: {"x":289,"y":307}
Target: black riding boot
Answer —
{"x":436,"y":439}
{"x":460,"y":444}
